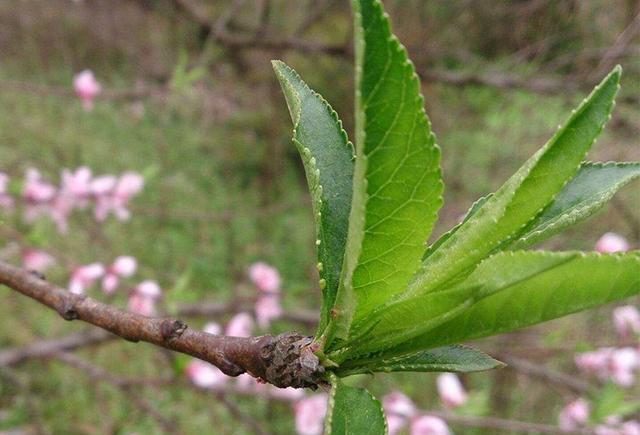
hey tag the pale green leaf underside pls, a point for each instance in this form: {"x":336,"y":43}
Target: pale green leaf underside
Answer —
{"x":522,"y":197}
{"x":585,"y":194}
{"x":353,"y":411}
{"x":580,"y":282}
{"x":328,"y":160}
{"x":398,"y":187}
{"x":456,"y":358}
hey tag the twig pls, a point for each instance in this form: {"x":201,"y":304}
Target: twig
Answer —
{"x":232,"y":355}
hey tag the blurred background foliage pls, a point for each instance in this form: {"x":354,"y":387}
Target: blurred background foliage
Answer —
{"x":191,"y":102}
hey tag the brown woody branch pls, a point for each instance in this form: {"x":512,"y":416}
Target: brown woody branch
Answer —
{"x":284,"y":361}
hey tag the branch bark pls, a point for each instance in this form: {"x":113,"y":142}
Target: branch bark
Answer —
{"x":284,"y":361}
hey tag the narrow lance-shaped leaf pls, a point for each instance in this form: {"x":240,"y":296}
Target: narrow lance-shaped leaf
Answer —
{"x":328,"y":160}
{"x":425,"y":313}
{"x":353,"y":411}
{"x":397,"y":186}
{"x":514,"y":205}
{"x":585,"y":281}
{"x":590,"y":189}
{"x":456,"y":358}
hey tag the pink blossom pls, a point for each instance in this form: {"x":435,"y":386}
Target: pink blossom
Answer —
{"x":240,"y":325}
{"x":612,"y":242}
{"x":212,"y":328}
{"x":450,"y":390}
{"x":77,"y":184}
{"x":116,"y":199}
{"x":574,"y":415}
{"x":626,"y":320}
{"x":310,"y":413}
{"x":624,"y":362}
{"x":399,"y":404}
{"x":36,"y":190}
{"x":6,"y":201}
{"x":87,"y":88}
{"x":142,"y":304}
{"x":266,"y":278}
{"x":102,"y":185}
{"x":395,"y":423}
{"x":630,"y":428}
{"x":602,"y":429}
{"x":36,"y":259}
{"x":398,"y":408}
{"x":429,"y":425}
{"x":122,"y":267}
{"x":148,"y":289}
{"x":267,"y":308}
{"x":594,"y":362}
{"x":84,"y":277}
{"x":205,"y":375}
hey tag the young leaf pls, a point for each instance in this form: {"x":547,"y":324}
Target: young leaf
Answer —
{"x":353,"y":411}
{"x":328,"y":160}
{"x":589,"y":190}
{"x":443,"y":238}
{"x":523,"y":196}
{"x":457,"y":358}
{"x":397,"y":186}
{"x":583,"y":282}
{"x":416,"y":316}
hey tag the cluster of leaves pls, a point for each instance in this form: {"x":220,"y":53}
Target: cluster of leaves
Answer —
{"x":389,"y":302}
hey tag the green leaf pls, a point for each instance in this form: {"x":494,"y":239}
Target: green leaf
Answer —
{"x":328,"y":160}
{"x":457,"y":358}
{"x":443,"y":238}
{"x":397,"y":186}
{"x":590,"y":189}
{"x":427,"y":312}
{"x":353,"y":411}
{"x":578,"y":282}
{"x":522,"y":197}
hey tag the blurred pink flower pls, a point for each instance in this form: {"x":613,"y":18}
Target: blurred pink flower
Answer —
{"x":36,"y":259}
{"x":266,"y":278}
{"x":205,"y":375}
{"x":574,"y":415}
{"x":602,"y":429}
{"x":77,"y":185}
{"x":102,"y":185}
{"x":395,"y":423}
{"x":141,"y":304}
{"x":627,"y":320}
{"x":122,"y":267}
{"x":398,"y":408}
{"x":429,"y":425}
{"x":84,"y":277}
{"x":149,"y":289}
{"x":114,"y":198}
{"x":630,"y":428}
{"x":310,"y":413}
{"x":212,"y":328}
{"x":144,"y":297}
{"x":87,"y":88}
{"x":594,"y":362}
{"x":450,"y":390}
{"x":36,"y":190}
{"x":267,"y":308}
{"x":6,"y":201}
{"x":612,"y":242}
{"x":624,"y":362}
{"x":240,"y":325}
{"x":399,"y":404}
